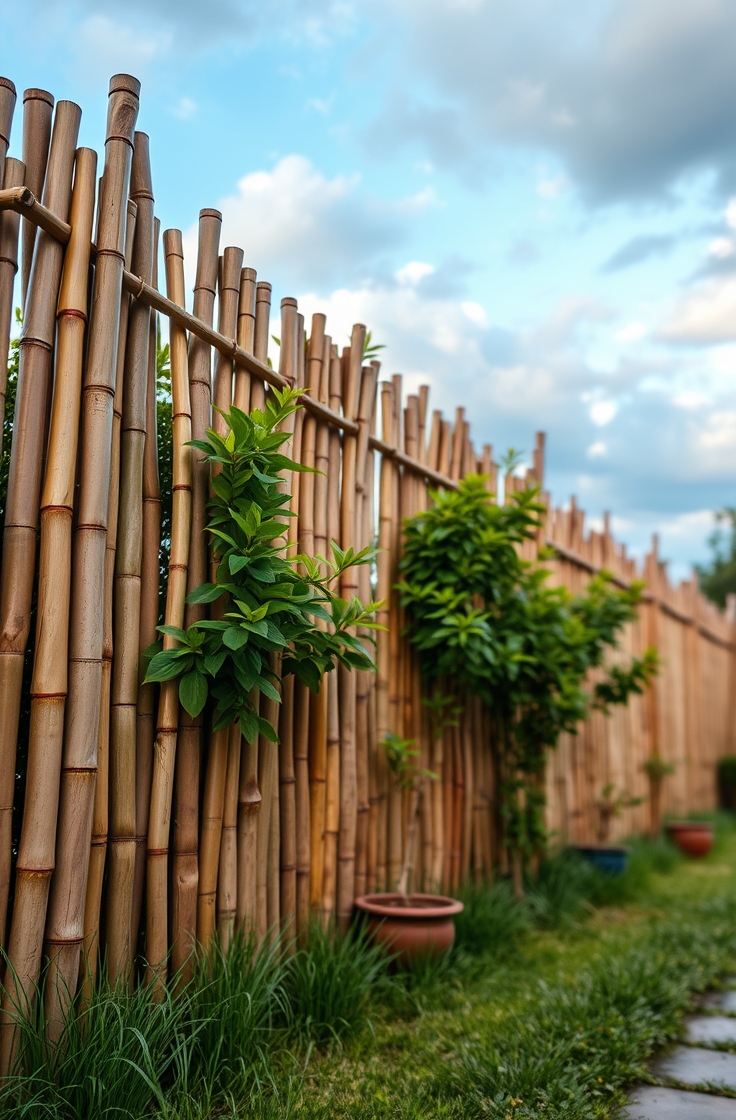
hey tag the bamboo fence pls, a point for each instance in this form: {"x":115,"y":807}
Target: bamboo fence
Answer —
{"x":138,"y":831}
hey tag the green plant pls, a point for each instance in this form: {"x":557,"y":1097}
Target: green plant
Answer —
{"x":371,"y":349}
{"x":9,"y":415}
{"x":717,"y":579}
{"x":487,"y":623}
{"x":492,"y":920}
{"x":329,"y":983}
{"x":611,"y":805}
{"x":165,"y":446}
{"x":271,"y":601}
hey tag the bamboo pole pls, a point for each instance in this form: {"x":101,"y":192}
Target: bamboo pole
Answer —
{"x":38,"y":106}
{"x":49,"y":683}
{"x":7,"y":107}
{"x":127,"y":595}
{"x":246,"y":335}
{"x":260,"y":341}
{"x":98,"y":841}
{"x":346,"y":679}
{"x":288,"y":822}
{"x":325,"y":854}
{"x":9,"y":228}
{"x":150,"y":578}
{"x":168,"y":711}
{"x":249,"y":805}
{"x":385,"y":593}
{"x":185,"y":831}
{"x":86,"y":628}
{"x":213,"y":805}
{"x":227,"y":882}
{"x":24,"y":479}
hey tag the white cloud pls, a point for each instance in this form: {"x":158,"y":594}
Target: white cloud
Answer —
{"x":414,"y":271}
{"x":475,"y":313}
{"x":603,"y":412}
{"x":597,"y":449}
{"x":731,"y":213}
{"x":551,"y":187}
{"x":632,"y":332}
{"x":722,"y":248}
{"x":704,"y":315}
{"x":689,"y":400}
{"x":105,"y":46}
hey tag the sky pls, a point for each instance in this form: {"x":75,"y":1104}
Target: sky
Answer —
{"x":531,"y":203}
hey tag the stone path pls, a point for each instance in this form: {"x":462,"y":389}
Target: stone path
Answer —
{"x":699,"y":1066}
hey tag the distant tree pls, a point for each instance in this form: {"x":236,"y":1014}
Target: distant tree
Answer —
{"x":718,"y":578}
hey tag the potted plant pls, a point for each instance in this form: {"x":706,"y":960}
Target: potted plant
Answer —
{"x":611,"y":858}
{"x":694,"y":838}
{"x":412,"y":926}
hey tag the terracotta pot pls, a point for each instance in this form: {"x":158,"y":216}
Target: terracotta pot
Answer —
{"x":694,"y":838}
{"x":411,"y":927}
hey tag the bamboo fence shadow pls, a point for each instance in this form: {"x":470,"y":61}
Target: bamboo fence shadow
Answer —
{"x":141,"y":832}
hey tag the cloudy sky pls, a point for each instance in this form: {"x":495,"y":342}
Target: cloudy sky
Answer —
{"x":532,"y":203}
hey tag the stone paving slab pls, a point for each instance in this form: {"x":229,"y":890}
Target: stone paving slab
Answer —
{"x":710,"y":1028}
{"x":695,"y":1066}
{"x":720,"y":1001}
{"x":649,"y":1102}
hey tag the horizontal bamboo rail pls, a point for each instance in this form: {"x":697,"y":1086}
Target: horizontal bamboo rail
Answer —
{"x":210,"y":831}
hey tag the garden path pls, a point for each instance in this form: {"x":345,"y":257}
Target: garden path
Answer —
{"x":699,"y":1063}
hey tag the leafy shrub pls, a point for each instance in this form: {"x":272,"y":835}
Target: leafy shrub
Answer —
{"x":328,"y":984}
{"x":727,"y":781}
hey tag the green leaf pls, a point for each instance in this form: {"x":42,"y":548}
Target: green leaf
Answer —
{"x":193,"y":692}
{"x":166,"y":665}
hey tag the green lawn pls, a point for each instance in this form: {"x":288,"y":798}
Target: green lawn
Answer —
{"x":556,"y":1024}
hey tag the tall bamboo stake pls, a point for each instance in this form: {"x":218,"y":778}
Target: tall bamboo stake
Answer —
{"x":227,"y":882}
{"x":249,"y":804}
{"x":217,"y":759}
{"x":260,"y":341}
{"x":168,"y":711}
{"x":246,"y":335}
{"x":185,"y":840}
{"x":287,"y":810}
{"x":383,"y":644}
{"x":98,"y":842}
{"x":48,"y":687}
{"x":9,"y":226}
{"x":86,"y":628}
{"x":348,"y":589}
{"x":49,"y":683}
{"x":128,"y":559}
{"x":150,"y":549}
{"x":24,"y":479}
{"x":7,"y":107}
{"x":38,"y":106}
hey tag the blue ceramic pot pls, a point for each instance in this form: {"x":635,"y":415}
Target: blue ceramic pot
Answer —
{"x":611,"y":858}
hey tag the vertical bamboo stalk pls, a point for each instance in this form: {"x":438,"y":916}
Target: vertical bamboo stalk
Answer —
{"x":98,"y":841}
{"x":49,"y":683}
{"x":9,"y":228}
{"x":7,"y":107}
{"x":127,"y":595}
{"x":162,"y":782}
{"x":260,"y":341}
{"x":288,"y":822}
{"x":217,"y":759}
{"x":185,"y":837}
{"x":385,"y":593}
{"x":150,"y":578}
{"x":346,"y":679}
{"x":24,"y":479}
{"x":227,"y":882}
{"x":246,"y":335}
{"x":38,"y":106}
{"x":249,"y":804}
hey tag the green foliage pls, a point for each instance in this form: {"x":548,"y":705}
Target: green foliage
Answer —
{"x":8,"y":416}
{"x":164,"y":439}
{"x":718,"y":578}
{"x":272,"y":603}
{"x":371,"y":349}
{"x":492,"y":920}
{"x":657,"y":769}
{"x":488,"y":624}
{"x":611,"y":804}
{"x":727,"y":781}
{"x":400,"y":758}
{"x":329,"y":983}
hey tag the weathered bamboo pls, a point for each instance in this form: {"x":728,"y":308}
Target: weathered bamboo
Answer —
{"x":288,"y":810}
{"x":260,"y":341}
{"x":38,"y":106}
{"x":213,"y":807}
{"x":383,"y":645}
{"x":150,"y":574}
{"x":49,"y":683}
{"x":162,"y":782}
{"x":86,"y":629}
{"x":7,"y":107}
{"x":249,"y":804}
{"x":98,"y":841}
{"x":227,"y":882}
{"x":32,"y":402}
{"x":185,"y":838}
{"x":128,"y":561}
{"x":246,"y":335}
{"x":9,"y":227}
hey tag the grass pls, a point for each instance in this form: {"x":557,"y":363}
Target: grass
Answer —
{"x":543,"y":1009}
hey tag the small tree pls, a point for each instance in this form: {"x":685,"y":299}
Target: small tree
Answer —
{"x":718,"y":578}
{"x":487,"y":623}
{"x":611,"y":805}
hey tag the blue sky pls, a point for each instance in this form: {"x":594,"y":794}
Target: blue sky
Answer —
{"x":532,"y":203}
